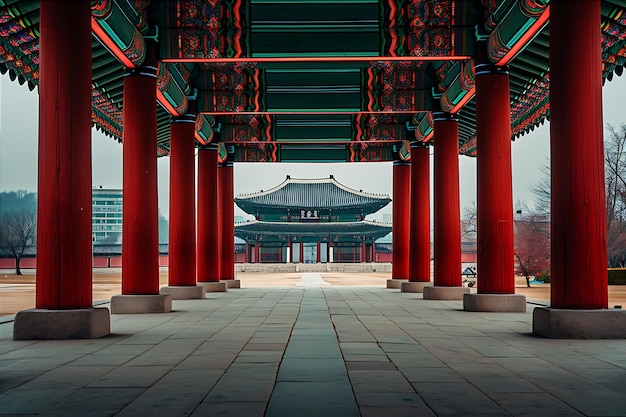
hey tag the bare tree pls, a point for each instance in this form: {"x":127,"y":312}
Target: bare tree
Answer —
{"x":541,"y":190}
{"x":468,"y":223}
{"x":615,"y":172}
{"x":17,"y":230}
{"x":532,"y":245}
{"x":615,"y":183}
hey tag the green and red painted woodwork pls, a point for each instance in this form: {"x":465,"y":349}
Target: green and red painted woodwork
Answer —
{"x":226,"y":201}
{"x":64,"y":178}
{"x":400,"y":218}
{"x":578,"y":232}
{"x":494,"y":179}
{"x":182,"y":235}
{"x":419,"y":248}
{"x":140,"y":261}
{"x":208,"y":246}
{"x":447,"y":240}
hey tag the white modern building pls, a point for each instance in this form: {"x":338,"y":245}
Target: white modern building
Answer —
{"x":106,"y":215}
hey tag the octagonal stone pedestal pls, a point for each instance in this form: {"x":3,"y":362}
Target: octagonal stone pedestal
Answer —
{"x":183,"y":292}
{"x":512,"y":303}
{"x":43,"y":324}
{"x":557,"y":323}
{"x":141,"y":303}
{"x":417,"y":287}
{"x":444,"y":293}
{"x":232,"y":283}
{"x":214,"y":286}
{"x":395,"y":283}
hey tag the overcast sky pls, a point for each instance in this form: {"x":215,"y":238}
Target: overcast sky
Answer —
{"x":18,"y":156}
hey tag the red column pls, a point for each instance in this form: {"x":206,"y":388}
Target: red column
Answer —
{"x":578,"y":221}
{"x":374,"y":251}
{"x":419,"y":266}
{"x":362,"y":255}
{"x":226,"y":199}
{"x":318,"y":257}
{"x":182,"y":239}
{"x":447,"y":204}
{"x":140,"y":258}
{"x":64,"y":176}
{"x":257,"y":251}
{"x":400,"y":227}
{"x":495,"y":184}
{"x":208,"y":257}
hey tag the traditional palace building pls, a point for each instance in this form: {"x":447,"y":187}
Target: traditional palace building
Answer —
{"x":311,"y":221}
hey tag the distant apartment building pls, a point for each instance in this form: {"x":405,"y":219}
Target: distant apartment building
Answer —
{"x":106,"y":216}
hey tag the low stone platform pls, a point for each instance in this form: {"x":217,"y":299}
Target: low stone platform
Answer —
{"x":43,"y":324}
{"x":514,"y":303}
{"x":444,"y":293}
{"x":141,"y":304}
{"x":395,"y":283}
{"x":415,"y":287}
{"x":218,"y":286}
{"x":556,"y":323}
{"x":232,"y":283}
{"x":184,"y":292}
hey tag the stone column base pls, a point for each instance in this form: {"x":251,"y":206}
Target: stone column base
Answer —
{"x":141,"y":303}
{"x":43,"y":324}
{"x":232,"y":283}
{"x":555,"y":323}
{"x":217,"y":286}
{"x":445,"y":293}
{"x":395,"y":283}
{"x":183,"y":292}
{"x":414,"y":286}
{"x":512,"y":303}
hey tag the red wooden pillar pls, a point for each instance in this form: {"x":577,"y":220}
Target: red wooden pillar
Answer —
{"x":363,"y":252}
{"x":182,"y":236}
{"x":208,"y":257}
{"x":446,"y":202}
{"x":374,"y":251}
{"x":494,"y":179}
{"x":302,"y":252}
{"x":140,"y":259}
{"x":257,"y":251}
{"x":419,"y":266}
{"x":578,"y":221}
{"x":64,"y":176}
{"x":318,"y":256}
{"x":226,"y":199}
{"x":400,"y":227}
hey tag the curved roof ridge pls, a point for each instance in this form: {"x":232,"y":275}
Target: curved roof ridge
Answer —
{"x":327,"y":180}
{"x":359,"y":192}
{"x":323,"y":224}
{"x":262,"y":192}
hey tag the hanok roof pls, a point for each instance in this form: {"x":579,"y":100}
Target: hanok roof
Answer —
{"x":254,"y":229}
{"x":315,"y":80}
{"x":304,"y":194}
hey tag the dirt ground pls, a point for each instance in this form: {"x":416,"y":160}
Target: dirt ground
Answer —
{"x":18,"y":292}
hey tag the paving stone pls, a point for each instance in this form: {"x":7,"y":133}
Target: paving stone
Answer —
{"x":534,"y":404}
{"x":94,"y":402}
{"x":291,"y":349}
{"x":24,"y":400}
{"x":306,"y":370}
{"x":312,"y":399}
{"x":230,"y":409}
{"x":131,"y":377}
